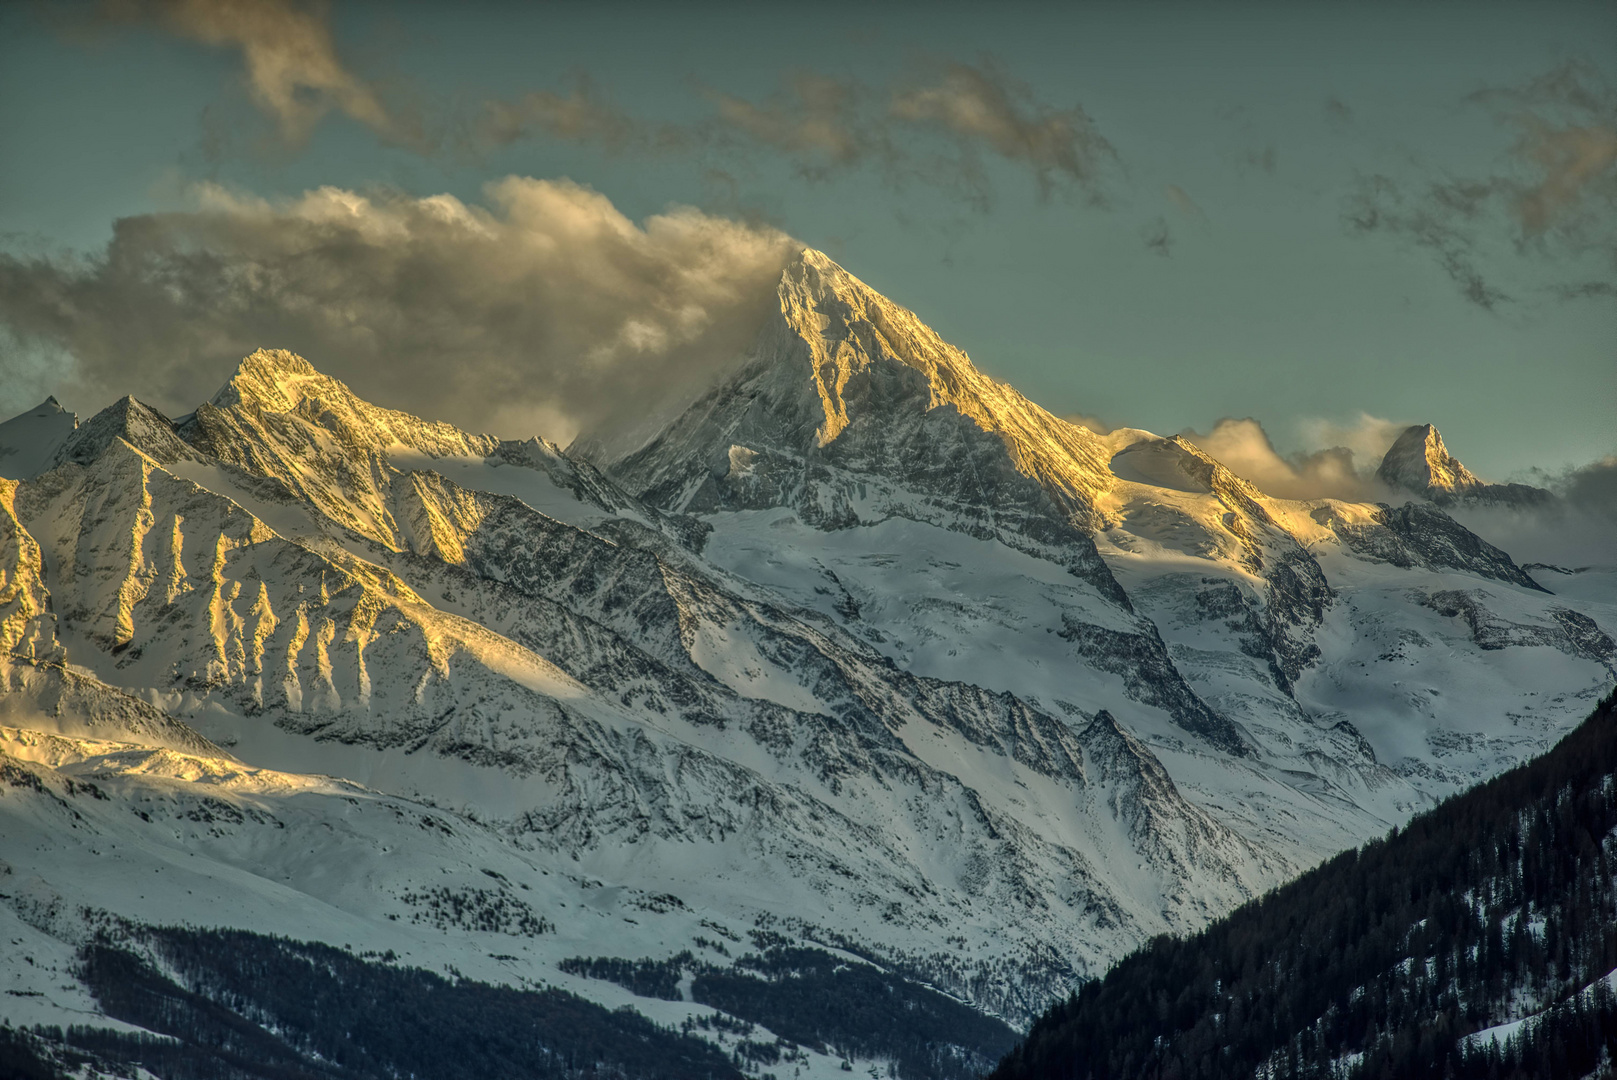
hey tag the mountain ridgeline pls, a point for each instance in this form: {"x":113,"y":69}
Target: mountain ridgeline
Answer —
{"x":862,"y":678}
{"x":1480,"y":940}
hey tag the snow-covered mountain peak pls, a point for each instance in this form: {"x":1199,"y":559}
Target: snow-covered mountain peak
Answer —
{"x":269,"y":379}
{"x":279,"y":417}
{"x":130,"y":420}
{"x":852,"y":332}
{"x":1418,"y":461}
{"x":29,"y":440}
{"x":846,"y":380}
{"x":278,"y":382}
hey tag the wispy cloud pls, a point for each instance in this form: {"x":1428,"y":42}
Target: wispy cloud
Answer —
{"x":1182,"y":202}
{"x":939,"y":127}
{"x":1157,"y":238}
{"x":1337,"y":113}
{"x":1555,"y":199}
{"x":939,"y":124}
{"x":819,"y":121}
{"x":583,"y":114}
{"x":293,"y":70}
{"x":1443,"y":219}
{"x":985,"y":109}
{"x":1262,"y":160}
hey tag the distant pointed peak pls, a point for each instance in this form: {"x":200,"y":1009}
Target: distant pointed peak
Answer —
{"x":1420,"y":462}
{"x":50,"y":407}
{"x":29,"y":441}
{"x":129,"y":420}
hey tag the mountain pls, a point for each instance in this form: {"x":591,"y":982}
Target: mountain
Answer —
{"x":815,"y":464}
{"x":610,"y":694}
{"x":862,"y":675}
{"x":1479,"y":940}
{"x":1420,"y":463}
{"x":29,"y":441}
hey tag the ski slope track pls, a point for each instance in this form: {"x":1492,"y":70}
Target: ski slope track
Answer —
{"x":864,"y":649}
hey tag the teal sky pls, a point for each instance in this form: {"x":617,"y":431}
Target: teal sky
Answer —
{"x":1222,"y":276}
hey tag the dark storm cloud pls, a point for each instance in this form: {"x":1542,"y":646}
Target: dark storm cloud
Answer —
{"x":1556,"y":198}
{"x":542,"y":312}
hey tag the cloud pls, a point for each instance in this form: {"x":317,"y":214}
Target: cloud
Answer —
{"x":1184,"y":203}
{"x":1567,"y":124}
{"x":1556,"y":197}
{"x":983,"y":108}
{"x":578,"y":116}
{"x":582,"y":115}
{"x":293,"y":71}
{"x":1593,"y":488}
{"x":934,"y":128}
{"x":1368,"y":437}
{"x":543,"y":311}
{"x":821,"y":122}
{"x":1263,"y":160}
{"x":1158,"y":240}
{"x":1343,"y":466}
{"x":1576,"y":530}
{"x":937,"y":128}
{"x":1442,"y":219}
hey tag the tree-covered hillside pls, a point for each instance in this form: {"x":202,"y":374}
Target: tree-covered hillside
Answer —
{"x":1400,"y":959}
{"x":232,"y":1005}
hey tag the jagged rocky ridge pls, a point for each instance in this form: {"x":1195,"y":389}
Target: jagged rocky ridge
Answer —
{"x":864,"y":648}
